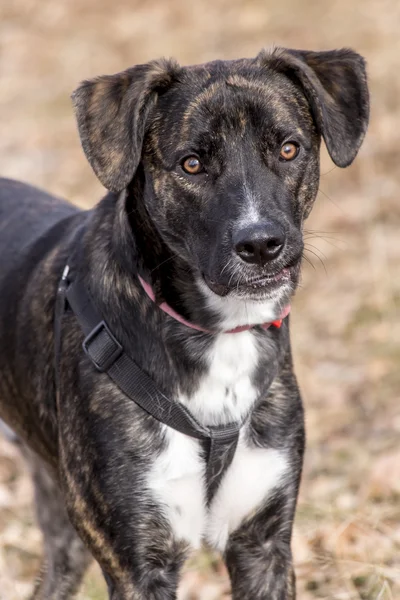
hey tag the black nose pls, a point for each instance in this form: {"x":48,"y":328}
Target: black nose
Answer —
{"x":259,"y":243}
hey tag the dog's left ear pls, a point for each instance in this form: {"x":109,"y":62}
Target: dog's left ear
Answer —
{"x":335,"y":84}
{"x":112,"y":113}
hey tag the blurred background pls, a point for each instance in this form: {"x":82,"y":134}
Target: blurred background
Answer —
{"x":346,"y":323}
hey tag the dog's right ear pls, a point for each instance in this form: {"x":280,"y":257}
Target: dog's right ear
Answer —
{"x":112,"y":113}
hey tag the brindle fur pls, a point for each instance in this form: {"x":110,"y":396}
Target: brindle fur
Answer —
{"x":90,"y":452}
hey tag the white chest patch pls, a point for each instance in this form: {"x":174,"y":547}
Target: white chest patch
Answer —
{"x":225,"y":394}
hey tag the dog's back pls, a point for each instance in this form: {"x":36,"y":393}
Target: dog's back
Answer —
{"x":32,"y":223}
{"x":26,"y":213}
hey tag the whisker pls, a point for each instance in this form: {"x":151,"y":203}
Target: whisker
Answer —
{"x":330,"y":199}
{"x":228,"y":264}
{"x":319,"y":232}
{"x":163,"y":262}
{"x":319,"y":258}
{"x":316,"y":250}
{"x":231,"y":277}
{"x":309,"y":235}
{"x":322,"y":237}
{"x":133,"y":210}
{"x":309,"y":261}
{"x":330,"y":171}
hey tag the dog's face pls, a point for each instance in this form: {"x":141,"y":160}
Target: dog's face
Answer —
{"x":229,"y":156}
{"x":231,"y":163}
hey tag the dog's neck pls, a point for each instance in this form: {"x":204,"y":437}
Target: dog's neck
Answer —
{"x":123,"y":241}
{"x":172,"y":280}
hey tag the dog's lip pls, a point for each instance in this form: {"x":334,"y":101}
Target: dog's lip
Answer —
{"x":257,"y":283}
{"x":261,"y":281}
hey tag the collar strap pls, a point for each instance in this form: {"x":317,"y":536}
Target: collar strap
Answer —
{"x":172,"y":313}
{"x":108,"y":356}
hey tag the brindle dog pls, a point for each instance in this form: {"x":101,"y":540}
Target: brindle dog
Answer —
{"x":211,"y":172}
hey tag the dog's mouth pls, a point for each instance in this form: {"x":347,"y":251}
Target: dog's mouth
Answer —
{"x":256,"y":287}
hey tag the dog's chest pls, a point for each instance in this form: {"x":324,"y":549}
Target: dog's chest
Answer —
{"x":224,"y":394}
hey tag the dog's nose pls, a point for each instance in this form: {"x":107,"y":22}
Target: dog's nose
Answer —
{"x":259,"y":243}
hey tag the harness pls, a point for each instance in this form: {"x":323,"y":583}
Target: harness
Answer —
{"x":107,"y":355}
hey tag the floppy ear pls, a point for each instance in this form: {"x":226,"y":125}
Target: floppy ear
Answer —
{"x":335,"y":84}
{"x":112,"y":112}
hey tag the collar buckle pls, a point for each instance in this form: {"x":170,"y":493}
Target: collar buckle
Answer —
{"x":101,"y":347}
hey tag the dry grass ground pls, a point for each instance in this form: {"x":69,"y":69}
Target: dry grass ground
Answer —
{"x":346,"y":316}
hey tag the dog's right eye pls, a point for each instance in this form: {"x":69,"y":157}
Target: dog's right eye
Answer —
{"x":289,"y":151}
{"x":192,"y":165}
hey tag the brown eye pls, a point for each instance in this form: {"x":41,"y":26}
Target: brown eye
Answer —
{"x":192,"y":165}
{"x":289,"y":151}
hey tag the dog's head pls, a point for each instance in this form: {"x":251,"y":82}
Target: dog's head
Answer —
{"x":227,"y":154}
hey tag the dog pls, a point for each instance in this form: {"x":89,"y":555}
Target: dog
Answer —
{"x":188,"y":265}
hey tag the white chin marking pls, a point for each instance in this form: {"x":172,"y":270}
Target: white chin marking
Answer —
{"x":237,"y":312}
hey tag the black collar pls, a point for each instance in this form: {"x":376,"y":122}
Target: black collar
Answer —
{"x":107,"y":355}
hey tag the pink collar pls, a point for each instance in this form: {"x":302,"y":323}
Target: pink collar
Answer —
{"x":172,"y":313}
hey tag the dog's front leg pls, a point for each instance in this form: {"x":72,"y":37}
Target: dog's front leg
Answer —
{"x":107,"y":449}
{"x":258,"y":554}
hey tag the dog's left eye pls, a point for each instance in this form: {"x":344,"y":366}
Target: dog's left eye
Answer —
{"x":289,"y":151}
{"x":192,"y":165}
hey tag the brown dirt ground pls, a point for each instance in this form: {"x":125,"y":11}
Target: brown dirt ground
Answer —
{"x":346,"y":315}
